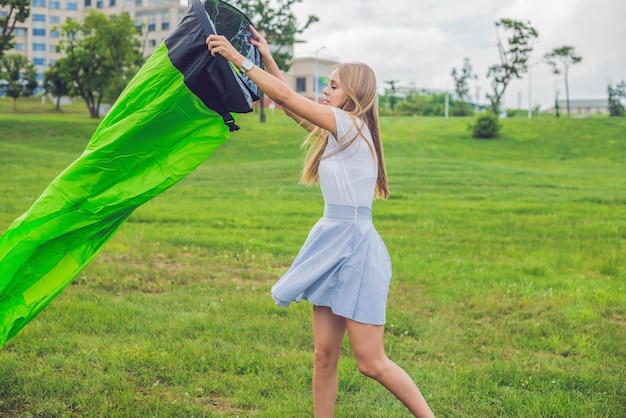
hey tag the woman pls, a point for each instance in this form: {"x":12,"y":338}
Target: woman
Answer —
{"x":343,"y":268}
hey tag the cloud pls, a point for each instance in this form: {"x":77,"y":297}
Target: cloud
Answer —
{"x":420,"y":41}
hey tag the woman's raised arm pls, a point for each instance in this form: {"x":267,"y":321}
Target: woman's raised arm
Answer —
{"x":274,"y":86}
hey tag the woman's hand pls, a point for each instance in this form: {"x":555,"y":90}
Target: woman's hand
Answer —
{"x":218,"y":44}
{"x":261,"y":44}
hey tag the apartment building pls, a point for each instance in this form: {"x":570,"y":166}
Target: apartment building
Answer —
{"x":37,"y":37}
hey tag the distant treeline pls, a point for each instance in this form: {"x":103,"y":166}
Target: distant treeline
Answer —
{"x":424,"y":103}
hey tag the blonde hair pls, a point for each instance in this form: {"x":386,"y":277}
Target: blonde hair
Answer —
{"x":359,"y":84}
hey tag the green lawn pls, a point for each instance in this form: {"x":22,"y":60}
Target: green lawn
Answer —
{"x":508,"y":297}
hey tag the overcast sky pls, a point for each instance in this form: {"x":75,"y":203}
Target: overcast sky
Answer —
{"x":420,"y":41}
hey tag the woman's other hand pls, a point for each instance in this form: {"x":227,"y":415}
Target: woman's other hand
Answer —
{"x":261,"y":44}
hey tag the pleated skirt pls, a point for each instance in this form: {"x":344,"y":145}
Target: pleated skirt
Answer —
{"x":343,"y":264}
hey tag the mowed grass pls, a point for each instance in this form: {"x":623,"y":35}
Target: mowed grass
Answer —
{"x":508,"y":297}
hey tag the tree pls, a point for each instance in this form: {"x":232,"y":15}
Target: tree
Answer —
{"x":391,"y":93}
{"x":461,"y":77}
{"x":461,"y":87}
{"x":513,"y":58}
{"x":486,"y":125}
{"x":557,"y":110}
{"x":101,"y":55}
{"x":616,"y":108}
{"x":19,"y":76}
{"x":416,"y":102}
{"x":55,"y":84}
{"x":277,"y":23}
{"x":560,"y":59}
{"x":16,"y":11}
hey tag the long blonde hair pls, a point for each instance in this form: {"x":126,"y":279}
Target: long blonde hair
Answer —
{"x":359,"y":84}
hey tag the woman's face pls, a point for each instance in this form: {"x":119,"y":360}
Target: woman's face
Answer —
{"x":333,"y":92}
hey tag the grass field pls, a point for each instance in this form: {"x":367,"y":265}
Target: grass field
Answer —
{"x":508,"y":297}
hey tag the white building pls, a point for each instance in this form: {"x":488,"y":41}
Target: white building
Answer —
{"x":583,"y":107}
{"x":37,"y":37}
{"x":309,"y":75}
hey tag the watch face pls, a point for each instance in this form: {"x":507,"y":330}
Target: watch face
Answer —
{"x":247,"y":64}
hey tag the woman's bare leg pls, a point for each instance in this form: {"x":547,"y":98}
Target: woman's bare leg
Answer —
{"x":328,"y":332}
{"x":369,"y":352}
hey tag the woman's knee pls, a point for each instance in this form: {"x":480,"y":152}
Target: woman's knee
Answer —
{"x":373,"y":368}
{"x":326,"y":356}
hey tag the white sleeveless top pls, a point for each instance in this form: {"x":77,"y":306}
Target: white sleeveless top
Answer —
{"x":349,"y":176}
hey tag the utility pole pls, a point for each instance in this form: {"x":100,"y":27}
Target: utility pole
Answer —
{"x":476,"y":105}
{"x":316,"y":76}
{"x":447,"y":109}
{"x":530,"y":92}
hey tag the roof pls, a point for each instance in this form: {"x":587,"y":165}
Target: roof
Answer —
{"x":585,"y":103}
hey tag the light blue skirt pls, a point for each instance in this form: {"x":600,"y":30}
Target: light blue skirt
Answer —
{"x":343,"y":264}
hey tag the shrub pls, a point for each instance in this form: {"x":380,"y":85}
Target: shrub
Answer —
{"x":486,"y":125}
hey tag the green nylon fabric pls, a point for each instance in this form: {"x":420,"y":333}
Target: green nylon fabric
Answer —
{"x":156,"y":133}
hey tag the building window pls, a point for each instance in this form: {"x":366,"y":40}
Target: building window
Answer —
{"x":39,"y":32}
{"x":39,"y":17}
{"x":72,"y":5}
{"x":39,"y":3}
{"x":52,"y":48}
{"x":19,"y":32}
{"x":112,"y":3}
{"x":300,"y":84}
{"x":20,"y":47}
{"x":152,"y":42}
{"x":137,"y":3}
{"x":99,"y":4}
{"x":39,"y":47}
{"x":55,"y":19}
{"x":39,"y":61}
{"x":151,"y":22}
{"x":55,"y":34}
{"x":165,"y":20}
{"x":55,"y":4}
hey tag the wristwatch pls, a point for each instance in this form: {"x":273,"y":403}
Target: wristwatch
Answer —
{"x":246,"y":65}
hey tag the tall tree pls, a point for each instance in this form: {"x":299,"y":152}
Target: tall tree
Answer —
{"x":461,"y":78}
{"x":19,"y":76}
{"x":616,"y":93}
{"x":101,"y":55}
{"x":560,"y":59}
{"x":275,"y":20}
{"x":55,"y":84}
{"x":513,"y":58}
{"x":16,"y":11}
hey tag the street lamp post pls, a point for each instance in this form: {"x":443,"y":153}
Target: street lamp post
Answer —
{"x":315,"y":76}
{"x":447,"y":105}
{"x":530,"y":92}
{"x":530,"y":89}
{"x":476,"y":106}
